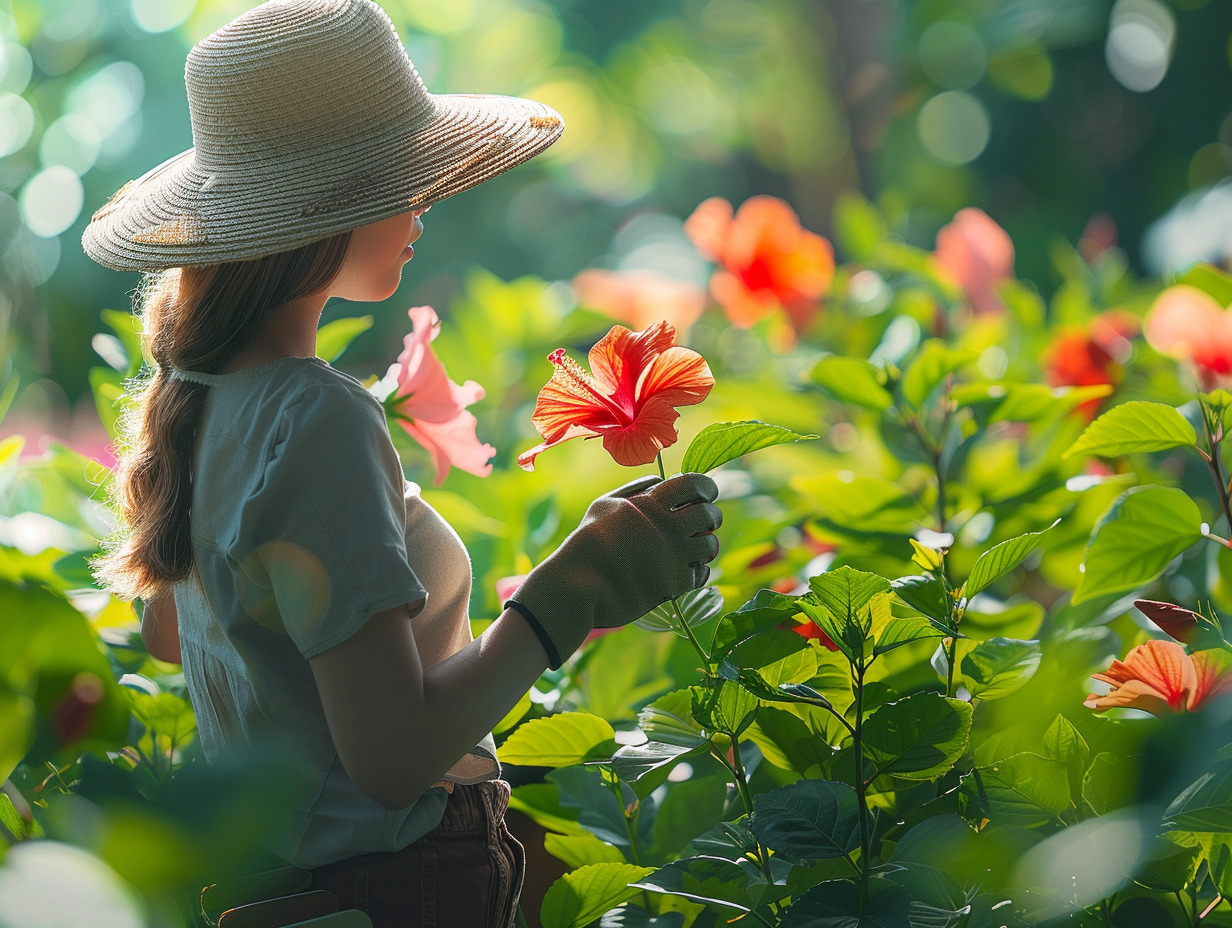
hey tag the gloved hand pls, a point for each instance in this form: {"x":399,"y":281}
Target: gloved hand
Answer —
{"x":636,"y":548}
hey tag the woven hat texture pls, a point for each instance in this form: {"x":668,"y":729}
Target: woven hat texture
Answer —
{"x":308,"y":119}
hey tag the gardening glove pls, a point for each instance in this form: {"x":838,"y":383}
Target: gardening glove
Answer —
{"x":636,"y":548}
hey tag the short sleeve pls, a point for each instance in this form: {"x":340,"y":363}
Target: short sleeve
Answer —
{"x":321,"y":545}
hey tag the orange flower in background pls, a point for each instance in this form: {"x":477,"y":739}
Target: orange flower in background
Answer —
{"x":640,"y":298}
{"x":1187,"y":323}
{"x":431,"y":407}
{"x":976,"y":254}
{"x":1091,"y":355}
{"x":766,"y":259}
{"x":629,"y":399}
{"x":1160,"y":677}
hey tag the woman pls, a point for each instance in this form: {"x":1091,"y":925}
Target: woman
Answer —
{"x":313,"y":598}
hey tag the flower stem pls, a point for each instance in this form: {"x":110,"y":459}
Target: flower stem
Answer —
{"x":659,"y":461}
{"x":1215,"y":462}
{"x":746,"y":798}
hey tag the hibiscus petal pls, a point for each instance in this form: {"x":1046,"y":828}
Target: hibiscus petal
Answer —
{"x":1185,"y":322}
{"x":1212,"y":676}
{"x":620,"y":357}
{"x":453,"y":443}
{"x":526,"y":460}
{"x":652,"y":431}
{"x":708,"y":227}
{"x":679,"y":377}
{"x":1132,"y":695}
{"x":1164,"y":666}
{"x":563,"y":404}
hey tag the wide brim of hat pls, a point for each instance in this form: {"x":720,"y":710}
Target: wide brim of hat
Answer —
{"x":181,"y":214}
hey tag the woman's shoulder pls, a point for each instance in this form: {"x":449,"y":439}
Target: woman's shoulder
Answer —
{"x":321,"y":402}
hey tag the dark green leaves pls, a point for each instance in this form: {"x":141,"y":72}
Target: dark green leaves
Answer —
{"x":725,"y":441}
{"x":917,"y":738}
{"x":1206,"y":804}
{"x":1143,"y":530}
{"x":1134,"y":426}
{"x":808,"y":820}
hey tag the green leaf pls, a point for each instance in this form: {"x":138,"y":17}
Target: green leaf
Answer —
{"x":540,"y":802}
{"x":1204,"y":805}
{"x":559,"y":740}
{"x":1211,"y":280}
{"x":845,"y":592}
{"x":669,"y":720}
{"x":808,"y":820}
{"x":933,"y":363}
{"x":764,"y":611}
{"x":697,"y":606}
{"x":1139,"y":535}
{"x":925,"y":595}
{"x":1023,"y":790}
{"x":1107,"y":785}
{"x":1000,"y":559}
{"x":1168,"y":867}
{"x":851,"y":380}
{"x":580,"y":850}
{"x":836,"y":904}
{"x":725,"y":441}
{"x":688,"y":810}
{"x":580,"y":897}
{"x":335,"y":337}
{"x":999,"y":666}
{"x":777,"y":656}
{"x":901,"y":631}
{"x":919,"y":737}
{"x":862,"y":503}
{"x":1134,"y":426}
{"x":635,"y":762}
{"x":708,"y":880}
{"x":1065,"y":743}
{"x":722,"y":705}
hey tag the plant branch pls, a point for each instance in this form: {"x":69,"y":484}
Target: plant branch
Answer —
{"x":861,"y":788}
{"x":1215,"y":462}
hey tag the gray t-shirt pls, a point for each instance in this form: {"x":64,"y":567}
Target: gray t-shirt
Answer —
{"x":303,"y":527}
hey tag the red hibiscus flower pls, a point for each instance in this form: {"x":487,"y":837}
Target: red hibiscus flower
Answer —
{"x":976,"y":254}
{"x":1160,"y":677}
{"x":629,"y":399}
{"x":766,"y":259}
{"x":1081,"y":357}
{"x":431,"y":407}
{"x":640,"y":298}
{"x":1187,"y":323}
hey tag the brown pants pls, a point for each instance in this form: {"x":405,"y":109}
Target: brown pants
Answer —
{"x":466,"y":872}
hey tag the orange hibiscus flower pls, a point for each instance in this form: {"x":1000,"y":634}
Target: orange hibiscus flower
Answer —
{"x":766,"y":259}
{"x":976,"y":254}
{"x":640,"y":298}
{"x":1081,"y":357}
{"x":1160,"y":677}
{"x":1188,"y":323}
{"x":629,"y":399}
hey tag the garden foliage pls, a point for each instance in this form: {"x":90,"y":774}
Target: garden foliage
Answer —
{"x":879,"y":712}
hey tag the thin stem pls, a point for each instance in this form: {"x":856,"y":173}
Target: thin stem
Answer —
{"x":949,"y":670}
{"x":861,"y":786}
{"x":688,"y":633}
{"x":1215,"y":461}
{"x":659,"y":461}
{"x":631,"y":829}
{"x":736,"y":769}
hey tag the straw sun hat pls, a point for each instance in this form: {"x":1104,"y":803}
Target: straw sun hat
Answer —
{"x":308,"y":119}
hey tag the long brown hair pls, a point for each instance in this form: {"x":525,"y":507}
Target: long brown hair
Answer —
{"x":195,"y":318}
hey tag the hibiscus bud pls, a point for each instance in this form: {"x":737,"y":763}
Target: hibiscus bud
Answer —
{"x":1181,"y":624}
{"x":72,"y":716}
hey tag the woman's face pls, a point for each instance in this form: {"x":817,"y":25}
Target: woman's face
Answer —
{"x":372,"y":268}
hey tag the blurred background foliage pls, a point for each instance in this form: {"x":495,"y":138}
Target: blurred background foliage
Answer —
{"x":1060,"y":118}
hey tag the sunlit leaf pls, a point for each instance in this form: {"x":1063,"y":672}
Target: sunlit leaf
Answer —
{"x":918,"y":737}
{"x":851,"y":380}
{"x":559,"y":741}
{"x":721,"y":442}
{"x":335,"y":337}
{"x":999,"y":666}
{"x":1000,"y":559}
{"x":581,"y":896}
{"x":1134,"y":426}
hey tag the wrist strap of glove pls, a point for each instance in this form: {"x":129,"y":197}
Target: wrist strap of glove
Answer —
{"x":554,"y":658}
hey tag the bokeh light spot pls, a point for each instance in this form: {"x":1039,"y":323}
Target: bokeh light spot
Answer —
{"x":440,"y":16}
{"x":1139,"y":47}
{"x":72,"y":140}
{"x":954,"y":127}
{"x":51,"y":200}
{"x":44,"y":884}
{"x":952,"y":55}
{"x":161,"y":15}
{"x":16,"y":123}
{"x":109,"y":96}
{"x":16,"y":66}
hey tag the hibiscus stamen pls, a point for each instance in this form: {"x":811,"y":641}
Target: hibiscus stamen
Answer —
{"x":574,"y":373}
